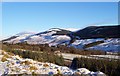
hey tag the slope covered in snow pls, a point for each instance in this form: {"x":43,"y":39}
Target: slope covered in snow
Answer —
{"x":111,"y":44}
{"x":77,"y":39}
{"x":18,"y":37}
{"x":52,"y":37}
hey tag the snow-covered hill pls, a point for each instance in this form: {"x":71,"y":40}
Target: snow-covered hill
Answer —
{"x":57,"y":36}
{"x":18,"y":37}
{"x":52,"y":37}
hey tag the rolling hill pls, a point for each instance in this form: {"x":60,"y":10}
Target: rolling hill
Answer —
{"x":105,"y":38}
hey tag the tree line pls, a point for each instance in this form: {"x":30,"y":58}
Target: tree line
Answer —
{"x":109,"y":67}
{"x":46,"y":47}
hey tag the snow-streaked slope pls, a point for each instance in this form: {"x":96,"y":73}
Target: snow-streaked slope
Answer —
{"x":48,"y":37}
{"x":80,"y":43}
{"x":59,"y":39}
{"x":112,"y":44}
{"x":19,"y":37}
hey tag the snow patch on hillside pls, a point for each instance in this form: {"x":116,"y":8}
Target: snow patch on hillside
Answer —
{"x":112,"y":44}
{"x":17,"y":65}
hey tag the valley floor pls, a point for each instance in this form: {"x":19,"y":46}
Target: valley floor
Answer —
{"x":69,"y":56}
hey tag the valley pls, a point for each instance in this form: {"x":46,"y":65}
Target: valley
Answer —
{"x":60,"y":57}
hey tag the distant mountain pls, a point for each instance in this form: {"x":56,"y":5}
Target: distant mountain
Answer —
{"x":105,"y":38}
{"x":57,"y":31}
{"x":53,"y":36}
{"x":99,"y":32}
{"x":19,"y":36}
